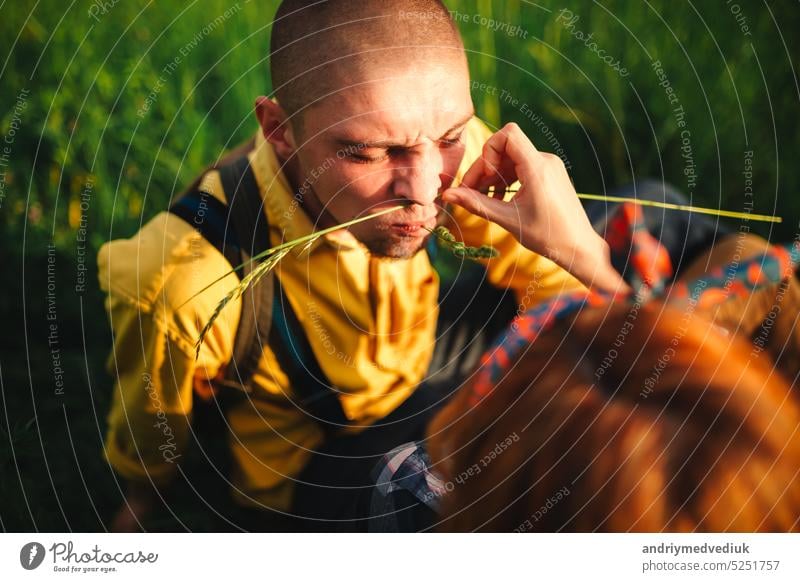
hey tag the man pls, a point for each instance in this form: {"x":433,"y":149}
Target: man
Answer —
{"x":372,"y":109}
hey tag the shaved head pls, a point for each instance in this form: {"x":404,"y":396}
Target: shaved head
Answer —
{"x":320,"y":47}
{"x":373,"y":102}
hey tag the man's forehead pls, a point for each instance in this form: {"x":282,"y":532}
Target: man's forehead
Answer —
{"x":426,"y":102}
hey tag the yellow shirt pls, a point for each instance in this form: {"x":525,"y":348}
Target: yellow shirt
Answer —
{"x":370,"y":322}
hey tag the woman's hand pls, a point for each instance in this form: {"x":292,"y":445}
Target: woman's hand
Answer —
{"x":545,"y":215}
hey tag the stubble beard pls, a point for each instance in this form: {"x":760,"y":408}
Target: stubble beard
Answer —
{"x":393,"y":247}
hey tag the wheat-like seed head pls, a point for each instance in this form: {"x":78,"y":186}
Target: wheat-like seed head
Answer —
{"x":273,"y":255}
{"x":461,"y":250}
{"x":250,"y":279}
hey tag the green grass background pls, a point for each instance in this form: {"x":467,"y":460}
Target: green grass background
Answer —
{"x":86,"y":79}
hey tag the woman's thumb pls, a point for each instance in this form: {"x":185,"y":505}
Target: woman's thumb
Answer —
{"x":474,"y":201}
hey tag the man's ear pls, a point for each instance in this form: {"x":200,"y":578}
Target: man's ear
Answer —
{"x":275,"y":127}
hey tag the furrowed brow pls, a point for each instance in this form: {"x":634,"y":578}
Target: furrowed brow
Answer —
{"x":387,"y":143}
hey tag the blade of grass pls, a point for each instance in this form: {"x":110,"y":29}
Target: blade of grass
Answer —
{"x":685,"y":207}
{"x":251,"y":279}
{"x":309,"y":239}
{"x":666,"y":205}
{"x":273,"y":255}
{"x":671,"y":206}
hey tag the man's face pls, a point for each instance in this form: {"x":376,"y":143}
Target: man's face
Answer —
{"x":392,"y":140}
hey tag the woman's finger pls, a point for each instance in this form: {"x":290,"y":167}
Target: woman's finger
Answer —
{"x":475,"y":174}
{"x":492,"y":209}
{"x":502,"y":157}
{"x":508,"y":144}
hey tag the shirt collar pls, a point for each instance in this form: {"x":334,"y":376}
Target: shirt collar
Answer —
{"x":283,"y":206}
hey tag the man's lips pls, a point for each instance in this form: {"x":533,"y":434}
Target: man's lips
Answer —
{"x":416,"y":227}
{"x":407,"y":228}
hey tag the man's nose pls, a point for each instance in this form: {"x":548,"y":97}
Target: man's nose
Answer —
{"x":419,"y":178}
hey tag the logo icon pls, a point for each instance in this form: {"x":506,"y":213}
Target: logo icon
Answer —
{"x":31,"y":555}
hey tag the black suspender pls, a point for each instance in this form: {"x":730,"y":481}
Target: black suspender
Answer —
{"x":239,"y":230}
{"x":318,"y":397}
{"x":249,"y":222}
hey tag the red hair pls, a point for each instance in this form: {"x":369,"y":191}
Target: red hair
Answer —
{"x":669,"y":426}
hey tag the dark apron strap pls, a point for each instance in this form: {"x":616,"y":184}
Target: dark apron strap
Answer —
{"x":315,"y":394}
{"x":209,"y":216}
{"x":250,"y":223}
{"x":240,"y":231}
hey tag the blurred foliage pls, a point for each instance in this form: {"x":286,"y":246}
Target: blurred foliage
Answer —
{"x":88,"y":118}
{"x":88,"y":77}
{"x":95,"y":96}
{"x":737,"y":91}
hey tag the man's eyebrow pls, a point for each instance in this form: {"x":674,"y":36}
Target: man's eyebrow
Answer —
{"x":460,"y":124}
{"x":359,"y":144}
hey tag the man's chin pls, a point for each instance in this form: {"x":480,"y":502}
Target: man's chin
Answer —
{"x":396,"y":247}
